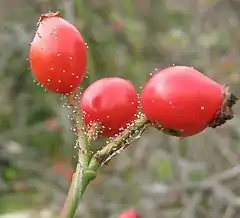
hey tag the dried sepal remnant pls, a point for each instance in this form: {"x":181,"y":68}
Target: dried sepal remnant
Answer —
{"x":47,"y":15}
{"x":226,"y":112}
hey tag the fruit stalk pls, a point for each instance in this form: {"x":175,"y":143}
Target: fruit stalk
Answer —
{"x":121,"y":142}
{"x":88,"y":165}
{"x":80,"y":181}
{"x":82,"y":176}
{"x":84,"y":154}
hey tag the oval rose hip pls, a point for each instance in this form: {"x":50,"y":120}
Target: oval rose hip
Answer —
{"x":184,"y":102}
{"x":111,"y":102}
{"x":58,"y":54}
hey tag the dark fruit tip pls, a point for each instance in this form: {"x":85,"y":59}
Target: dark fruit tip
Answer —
{"x":48,"y":15}
{"x":225,"y":113}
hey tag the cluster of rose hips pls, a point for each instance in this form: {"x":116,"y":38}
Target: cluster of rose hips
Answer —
{"x":179,"y":100}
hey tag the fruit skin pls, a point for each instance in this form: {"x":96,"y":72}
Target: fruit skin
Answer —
{"x":129,"y":214}
{"x":182,"y":100}
{"x":58,"y":54}
{"x":111,"y":102}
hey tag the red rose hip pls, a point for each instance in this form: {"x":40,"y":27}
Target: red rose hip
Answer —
{"x":129,"y":214}
{"x":184,"y":101}
{"x":111,"y":102}
{"x":58,"y":54}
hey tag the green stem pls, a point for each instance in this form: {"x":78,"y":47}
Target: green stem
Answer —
{"x":120,"y":142}
{"x":88,"y":166}
{"x":82,"y":176}
{"x":84,"y":152}
{"x":80,"y":181}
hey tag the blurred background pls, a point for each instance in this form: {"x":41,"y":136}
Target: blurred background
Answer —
{"x":159,"y":176}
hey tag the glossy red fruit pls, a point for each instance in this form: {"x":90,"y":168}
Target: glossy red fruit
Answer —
{"x":58,"y":54}
{"x":129,"y":214}
{"x":111,"y":102}
{"x":185,"y":102}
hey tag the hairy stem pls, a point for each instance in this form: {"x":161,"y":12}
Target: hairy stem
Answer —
{"x":83,"y":145}
{"x":88,"y":164}
{"x":119,"y":143}
{"x":80,"y":181}
{"x":94,"y":132}
{"x":82,"y":175}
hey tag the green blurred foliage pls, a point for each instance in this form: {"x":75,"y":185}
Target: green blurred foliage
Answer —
{"x":129,"y":39}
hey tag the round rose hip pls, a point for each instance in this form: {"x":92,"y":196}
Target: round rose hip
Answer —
{"x":58,"y":54}
{"x":184,"y":101}
{"x":129,"y":214}
{"x":111,"y":102}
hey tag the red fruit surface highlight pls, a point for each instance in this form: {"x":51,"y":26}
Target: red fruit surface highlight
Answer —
{"x":129,"y":214}
{"x":111,"y":102}
{"x":58,"y":54}
{"x":184,"y":101}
